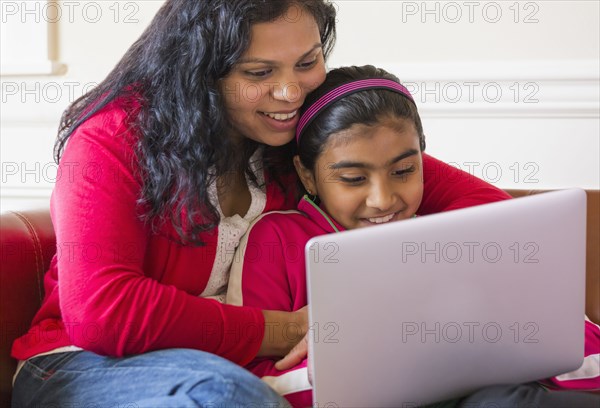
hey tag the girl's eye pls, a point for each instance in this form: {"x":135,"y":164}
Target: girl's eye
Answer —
{"x":352,"y":180}
{"x":259,"y":74}
{"x":404,"y":171}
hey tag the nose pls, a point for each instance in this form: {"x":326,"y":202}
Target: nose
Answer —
{"x":381,"y":197}
{"x":287,"y":90}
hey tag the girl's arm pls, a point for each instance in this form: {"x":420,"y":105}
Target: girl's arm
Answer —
{"x":268,"y":273}
{"x":448,"y":188}
{"x":268,"y":268}
{"x":586,"y":377}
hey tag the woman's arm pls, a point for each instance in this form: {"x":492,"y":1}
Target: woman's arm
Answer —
{"x":109,"y":300}
{"x":448,"y":188}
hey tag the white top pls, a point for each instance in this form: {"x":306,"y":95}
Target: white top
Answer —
{"x":232,"y":229}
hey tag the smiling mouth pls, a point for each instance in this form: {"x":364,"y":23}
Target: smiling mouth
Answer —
{"x":381,"y":220}
{"x":282,"y":117}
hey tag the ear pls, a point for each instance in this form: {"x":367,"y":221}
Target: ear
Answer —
{"x":306,"y":176}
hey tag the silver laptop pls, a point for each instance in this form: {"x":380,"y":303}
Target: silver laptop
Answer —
{"x":435,"y":307}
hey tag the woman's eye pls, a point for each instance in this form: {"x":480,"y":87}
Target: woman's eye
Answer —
{"x":259,"y":74}
{"x":308,"y":64}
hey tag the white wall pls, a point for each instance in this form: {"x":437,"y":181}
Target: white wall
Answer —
{"x":88,"y":39}
{"x":434,"y":31}
{"x":507,"y":90}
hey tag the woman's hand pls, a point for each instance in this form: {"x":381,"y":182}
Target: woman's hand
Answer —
{"x":283,"y":332}
{"x":295,"y":356}
{"x":300,"y":351}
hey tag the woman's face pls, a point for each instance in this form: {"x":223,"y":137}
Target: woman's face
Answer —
{"x":368,"y":175}
{"x":267,"y":86}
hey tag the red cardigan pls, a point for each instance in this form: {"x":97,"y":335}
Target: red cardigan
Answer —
{"x":116,"y":288}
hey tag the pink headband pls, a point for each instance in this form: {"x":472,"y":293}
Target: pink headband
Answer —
{"x":344,"y":90}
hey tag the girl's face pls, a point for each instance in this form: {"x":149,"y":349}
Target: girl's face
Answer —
{"x":267,"y":86}
{"x":368,"y":175}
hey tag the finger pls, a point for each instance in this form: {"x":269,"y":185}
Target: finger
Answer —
{"x":294,"y":357}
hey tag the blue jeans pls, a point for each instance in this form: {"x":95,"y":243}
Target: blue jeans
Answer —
{"x":165,"y":378}
{"x":530,"y":395}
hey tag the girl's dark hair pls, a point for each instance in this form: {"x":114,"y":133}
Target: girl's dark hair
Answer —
{"x":365,"y":107}
{"x":171,"y":74}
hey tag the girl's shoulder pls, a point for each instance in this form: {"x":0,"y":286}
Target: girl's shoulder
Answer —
{"x":288,"y":224}
{"x":280,"y":218}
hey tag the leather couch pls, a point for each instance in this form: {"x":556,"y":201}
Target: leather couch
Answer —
{"x":28,"y":243}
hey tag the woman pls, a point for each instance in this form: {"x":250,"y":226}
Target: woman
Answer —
{"x":168,"y":161}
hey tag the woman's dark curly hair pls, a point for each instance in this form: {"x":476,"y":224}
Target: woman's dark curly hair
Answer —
{"x":366,"y":107}
{"x":172,"y":71}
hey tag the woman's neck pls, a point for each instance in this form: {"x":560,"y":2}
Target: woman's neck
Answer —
{"x":234,"y":194}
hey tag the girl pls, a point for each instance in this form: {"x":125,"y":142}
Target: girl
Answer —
{"x":360,"y":161}
{"x":169,"y":160}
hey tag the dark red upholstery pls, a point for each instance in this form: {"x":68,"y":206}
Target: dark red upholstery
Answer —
{"x":28,"y":244}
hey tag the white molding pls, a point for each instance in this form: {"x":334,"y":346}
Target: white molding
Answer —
{"x":28,"y":38}
{"x":23,"y":198}
{"x":546,"y":89}
{"x":39,"y":99}
{"x":502,"y":70}
{"x":567,"y":93}
{"x":15,"y":192}
{"x":29,"y":68}
{"x":535,"y":89}
{"x":482,"y":109}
